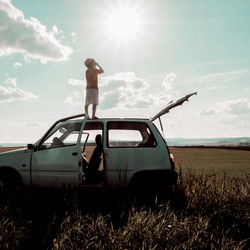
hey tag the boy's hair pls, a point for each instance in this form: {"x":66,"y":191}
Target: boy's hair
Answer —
{"x":88,"y":62}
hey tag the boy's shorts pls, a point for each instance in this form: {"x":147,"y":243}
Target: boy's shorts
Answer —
{"x":92,"y":97}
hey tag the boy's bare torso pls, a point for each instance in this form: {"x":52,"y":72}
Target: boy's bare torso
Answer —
{"x":92,"y":78}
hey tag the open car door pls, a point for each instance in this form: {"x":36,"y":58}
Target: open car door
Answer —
{"x":57,"y":160}
{"x":171,"y":105}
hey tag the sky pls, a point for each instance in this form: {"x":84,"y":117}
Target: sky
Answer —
{"x":152,"y":52}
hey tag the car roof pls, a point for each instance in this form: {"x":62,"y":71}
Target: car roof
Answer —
{"x":107,"y":119}
{"x":67,"y":122}
{"x":120,"y":119}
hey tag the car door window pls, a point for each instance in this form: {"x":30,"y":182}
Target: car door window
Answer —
{"x":62,"y":135}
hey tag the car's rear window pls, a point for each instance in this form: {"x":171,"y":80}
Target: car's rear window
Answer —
{"x":129,"y":135}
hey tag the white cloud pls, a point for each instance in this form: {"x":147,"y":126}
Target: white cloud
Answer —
{"x":168,"y":81}
{"x":9,"y":94}
{"x":232,"y":120}
{"x":233,"y":107}
{"x":123,"y":90}
{"x":74,"y":36}
{"x":77,"y":94}
{"x":124,"y":78}
{"x":28,"y":36}
{"x":11,"y":81}
{"x":12,"y":92}
{"x":75,"y":99}
{"x":55,"y":30}
{"x":69,"y":100}
{"x":221,"y":77}
{"x":208,"y":112}
{"x":17,"y":65}
{"x":76,"y":82}
{"x":236,"y":107}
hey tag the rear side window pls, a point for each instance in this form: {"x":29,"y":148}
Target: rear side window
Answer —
{"x":129,"y":135}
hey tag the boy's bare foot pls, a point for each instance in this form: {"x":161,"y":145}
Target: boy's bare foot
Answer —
{"x":94,"y":118}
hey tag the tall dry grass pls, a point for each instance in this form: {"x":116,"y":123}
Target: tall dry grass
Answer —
{"x":216,"y":216}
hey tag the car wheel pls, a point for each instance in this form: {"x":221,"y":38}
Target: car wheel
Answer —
{"x":164,"y":194}
{"x":4,"y":188}
{"x":178,"y":198}
{"x":9,"y":190}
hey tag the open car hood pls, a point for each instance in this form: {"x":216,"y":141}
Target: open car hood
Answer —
{"x":171,"y":105}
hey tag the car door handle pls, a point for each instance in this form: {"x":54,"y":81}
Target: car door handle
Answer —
{"x":74,"y":153}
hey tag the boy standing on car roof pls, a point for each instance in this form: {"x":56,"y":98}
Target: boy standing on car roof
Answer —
{"x":92,"y":94}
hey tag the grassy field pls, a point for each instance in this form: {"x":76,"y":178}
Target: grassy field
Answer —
{"x":5,"y":149}
{"x":208,"y":160}
{"x":216,"y":214}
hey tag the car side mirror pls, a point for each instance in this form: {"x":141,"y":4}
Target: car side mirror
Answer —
{"x":30,"y":146}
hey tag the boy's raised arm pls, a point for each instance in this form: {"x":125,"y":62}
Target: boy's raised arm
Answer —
{"x":100,"y":70}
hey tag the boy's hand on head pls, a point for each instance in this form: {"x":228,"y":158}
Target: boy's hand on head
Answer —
{"x":100,"y":68}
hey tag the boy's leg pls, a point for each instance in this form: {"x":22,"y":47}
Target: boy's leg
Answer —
{"x":87,"y":110}
{"x":94,"y":111}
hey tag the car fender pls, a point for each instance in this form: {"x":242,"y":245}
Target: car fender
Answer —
{"x":12,"y":175}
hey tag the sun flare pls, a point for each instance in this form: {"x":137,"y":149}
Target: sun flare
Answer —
{"x":123,"y":23}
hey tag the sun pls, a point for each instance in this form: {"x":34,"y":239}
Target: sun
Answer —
{"x":123,"y":23}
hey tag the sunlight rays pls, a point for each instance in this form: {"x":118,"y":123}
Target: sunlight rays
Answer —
{"x":123,"y":23}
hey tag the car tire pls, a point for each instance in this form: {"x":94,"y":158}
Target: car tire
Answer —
{"x":164,"y":195}
{"x":178,"y":198}
{"x":9,"y":189}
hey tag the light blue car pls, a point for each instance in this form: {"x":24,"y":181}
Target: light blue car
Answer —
{"x":108,"y":152}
